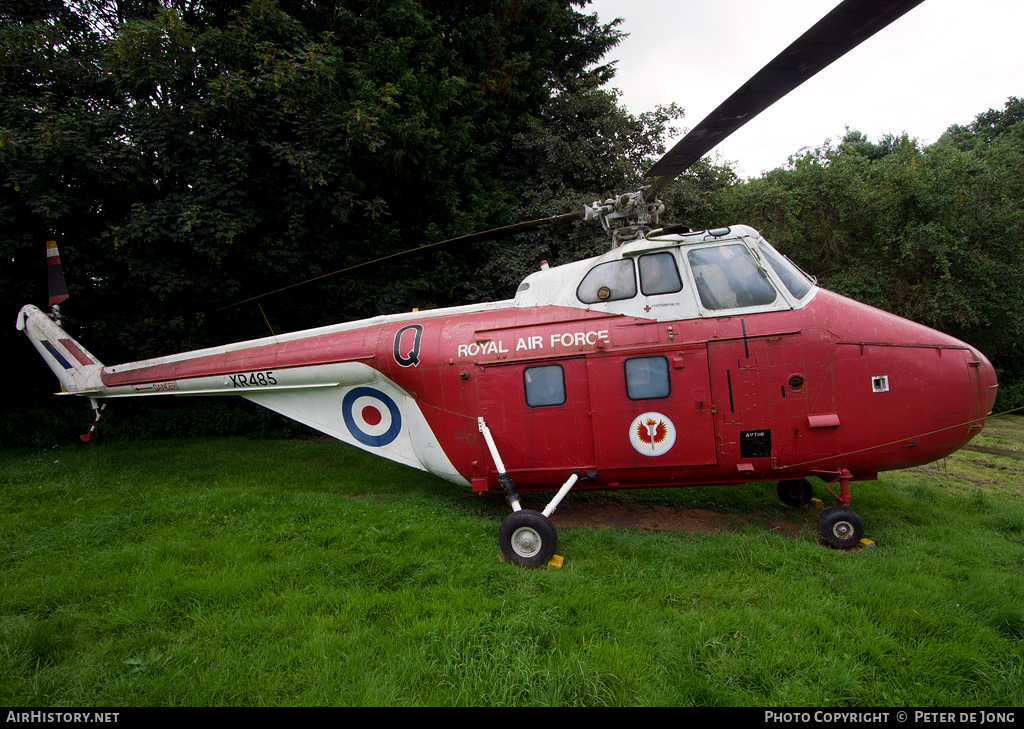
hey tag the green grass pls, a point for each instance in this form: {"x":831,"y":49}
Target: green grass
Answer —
{"x":238,"y":572}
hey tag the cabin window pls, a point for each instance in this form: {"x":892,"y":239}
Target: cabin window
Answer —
{"x":610,"y":281}
{"x":544,"y":386}
{"x":647,"y":378}
{"x":728,"y":278}
{"x":792,"y":277}
{"x":659,"y":274}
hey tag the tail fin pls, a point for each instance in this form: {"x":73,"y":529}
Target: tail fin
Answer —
{"x":77,"y":370}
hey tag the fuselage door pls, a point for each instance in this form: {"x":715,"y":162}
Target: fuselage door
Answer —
{"x":538,"y":414}
{"x":652,"y":410}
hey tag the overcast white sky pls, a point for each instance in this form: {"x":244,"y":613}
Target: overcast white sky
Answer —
{"x":942,"y":63}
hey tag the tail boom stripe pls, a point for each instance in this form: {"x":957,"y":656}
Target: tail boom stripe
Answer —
{"x":76,"y":351}
{"x":55,"y":354}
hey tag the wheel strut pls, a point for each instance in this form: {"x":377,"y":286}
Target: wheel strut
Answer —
{"x":843,"y":476}
{"x":526,"y":537}
{"x":98,"y":409}
{"x":503,"y":476}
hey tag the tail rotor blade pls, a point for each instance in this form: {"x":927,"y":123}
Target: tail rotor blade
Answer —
{"x":55,"y":274}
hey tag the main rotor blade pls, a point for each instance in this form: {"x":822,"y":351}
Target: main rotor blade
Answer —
{"x":510,"y":229}
{"x":848,"y":25}
{"x":471,"y":238}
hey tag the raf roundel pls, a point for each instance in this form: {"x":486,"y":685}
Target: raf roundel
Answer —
{"x":652,"y":434}
{"x":371,"y":417}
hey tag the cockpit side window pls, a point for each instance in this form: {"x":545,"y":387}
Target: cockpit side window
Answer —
{"x":610,"y":281}
{"x":728,"y":278}
{"x":792,"y":277}
{"x":659,"y":274}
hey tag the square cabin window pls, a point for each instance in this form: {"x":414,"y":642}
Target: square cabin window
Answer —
{"x":647,"y":378}
{"x":659,"y":274}
{"x":544,"y":386}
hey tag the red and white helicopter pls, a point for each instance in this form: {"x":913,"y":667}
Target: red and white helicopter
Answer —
{"x":677,"y":358}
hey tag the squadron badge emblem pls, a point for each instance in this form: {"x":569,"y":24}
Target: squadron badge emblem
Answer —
{"x":652,"y":434}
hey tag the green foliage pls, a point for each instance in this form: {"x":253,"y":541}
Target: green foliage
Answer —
{"x":242,"y":137}
{"x":1010,"y":397}
{"x":186,"y":156}
{"x":234,"y":148}
{"x":988,"y":127}
{"x":580,"y":147}
{"x":51,"y":424}
{"x":583,"y":146}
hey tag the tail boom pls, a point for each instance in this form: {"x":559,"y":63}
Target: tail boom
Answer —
{"x":326,"y":379}
{"x":77,"y":369}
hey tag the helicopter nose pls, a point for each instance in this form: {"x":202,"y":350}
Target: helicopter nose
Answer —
{"x":988,"y":384}
{"x":932,"y":389}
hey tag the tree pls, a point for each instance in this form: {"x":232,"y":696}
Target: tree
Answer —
{"x":189,"y":155}
{"x":450,"y":168}
{"x":580,"y":147}
{"x":61,"y":154}
{"x":244,"y":147}
{"x":988,"y":126}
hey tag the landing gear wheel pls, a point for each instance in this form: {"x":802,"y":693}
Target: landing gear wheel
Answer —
{"x":527,"y":538}
{"x":796,"y":493}
{"x":840,"y":527}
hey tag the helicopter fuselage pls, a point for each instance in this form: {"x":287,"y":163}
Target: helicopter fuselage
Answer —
{"x":672,"y":360}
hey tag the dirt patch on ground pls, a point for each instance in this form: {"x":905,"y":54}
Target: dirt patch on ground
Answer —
{"x":636,"y":516}
{"x":619,"y":515}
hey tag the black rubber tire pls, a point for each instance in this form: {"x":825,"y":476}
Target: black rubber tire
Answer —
{"x":796,"y":493}
{"x":841,"y":527}
{"x":528,"y":538}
